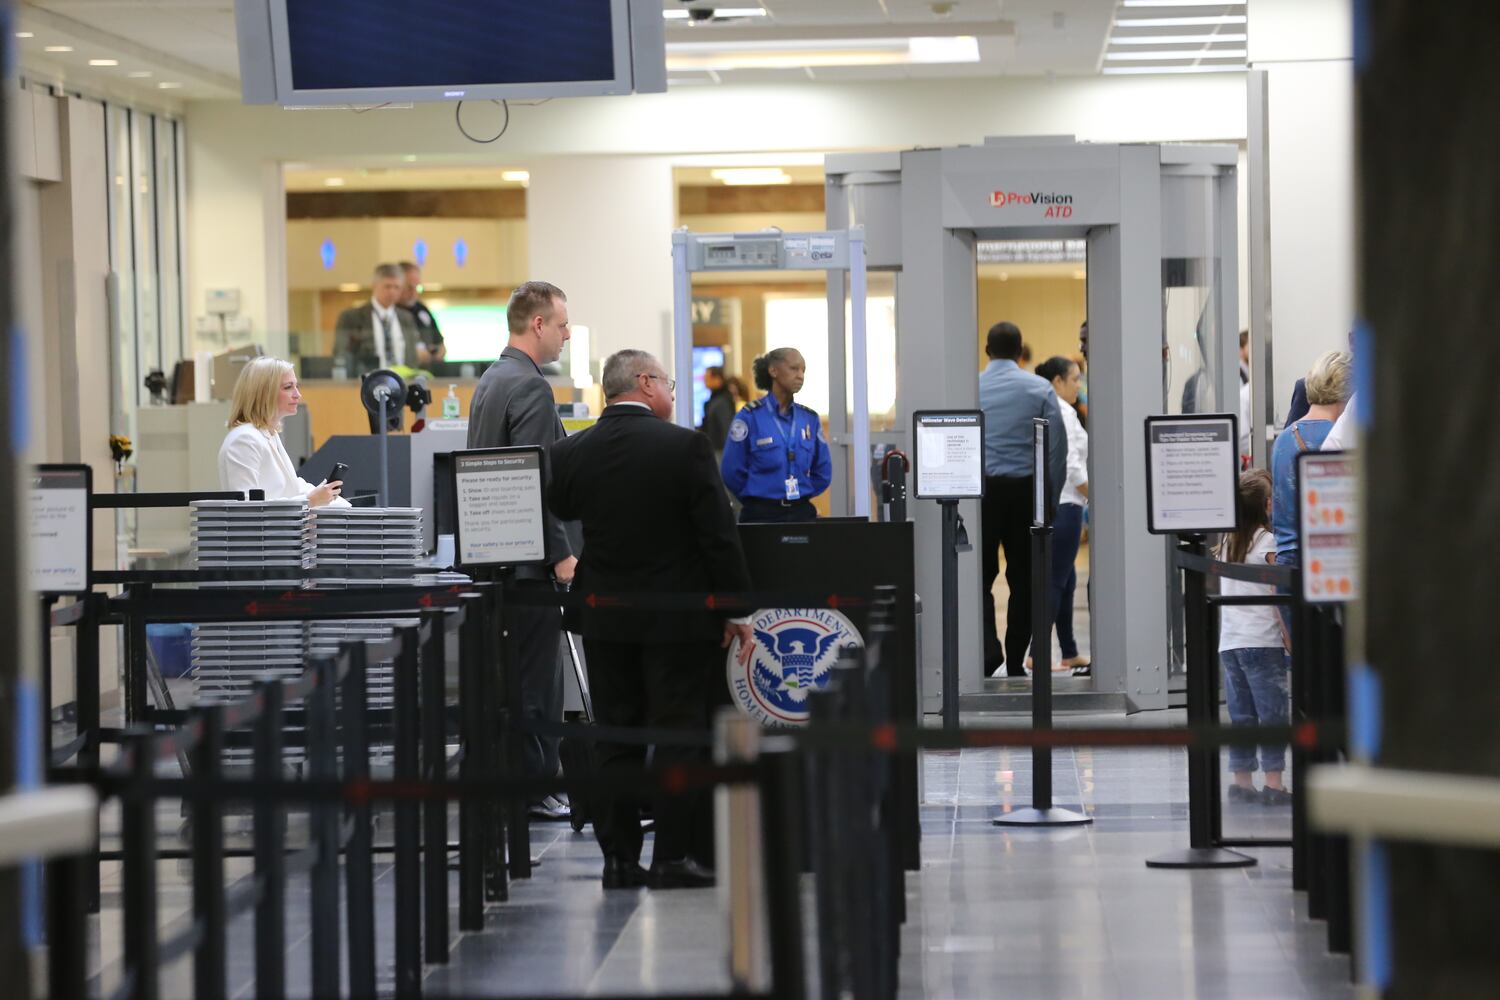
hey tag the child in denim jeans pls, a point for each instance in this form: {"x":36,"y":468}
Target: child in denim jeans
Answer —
{"x":1251,"y":648}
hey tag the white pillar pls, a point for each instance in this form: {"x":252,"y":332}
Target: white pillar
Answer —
{"x":600,"y":228}
{"x":1306,"y":49}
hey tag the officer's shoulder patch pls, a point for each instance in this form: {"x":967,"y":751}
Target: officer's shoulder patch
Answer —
{"x":738,"y":430}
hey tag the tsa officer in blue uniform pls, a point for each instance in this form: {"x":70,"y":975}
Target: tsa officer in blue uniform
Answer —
{"x":776,"y":459}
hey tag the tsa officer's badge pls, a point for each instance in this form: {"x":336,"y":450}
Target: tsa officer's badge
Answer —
{"x":795,"y":650}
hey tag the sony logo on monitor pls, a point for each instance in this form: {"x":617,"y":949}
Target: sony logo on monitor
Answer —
{"x":331,"y":52}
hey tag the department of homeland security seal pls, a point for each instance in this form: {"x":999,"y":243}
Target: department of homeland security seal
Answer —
{"x":795,"y":650}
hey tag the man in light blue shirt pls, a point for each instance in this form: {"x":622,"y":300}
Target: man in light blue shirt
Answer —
{"x":1011,"y":398}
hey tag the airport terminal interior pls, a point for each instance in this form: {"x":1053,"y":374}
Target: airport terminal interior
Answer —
{"x":1067,"y":575}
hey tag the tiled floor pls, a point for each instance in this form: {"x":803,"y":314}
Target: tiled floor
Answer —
{"x":994,"y":912}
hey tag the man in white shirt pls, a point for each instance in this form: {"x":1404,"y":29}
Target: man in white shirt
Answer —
{"x":377,"y":334}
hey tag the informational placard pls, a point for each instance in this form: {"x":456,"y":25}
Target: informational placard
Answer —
{"x":61,"y":530}
{"x":1328,"y":526}
{"x":1039,"y":473}
{"x":948,"y":452}
{"x":1192,"y":473}
{"x":498,"y":492}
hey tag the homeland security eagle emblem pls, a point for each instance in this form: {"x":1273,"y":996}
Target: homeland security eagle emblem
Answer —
{"x":795,"y":650}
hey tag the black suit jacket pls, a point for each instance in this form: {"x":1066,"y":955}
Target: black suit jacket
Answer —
{"x":354,"y":339}
{"x":655,"y":519}
{"x":513,"y":405}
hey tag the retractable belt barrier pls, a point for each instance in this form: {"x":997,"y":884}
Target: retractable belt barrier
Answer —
{"x":835,"y":774}
{"x":1320,"y":864}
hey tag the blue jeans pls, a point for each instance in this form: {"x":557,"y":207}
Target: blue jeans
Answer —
{"x":1256,"y":685}
{"x":1067,"y":530}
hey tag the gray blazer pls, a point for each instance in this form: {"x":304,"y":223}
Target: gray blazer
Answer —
{"x":354,"y":339}
{"x":513,"y":405}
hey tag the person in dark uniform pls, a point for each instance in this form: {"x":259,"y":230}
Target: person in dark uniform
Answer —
{"x":430,"y":346}
{"x":513,"y":405}
{"x":776,"y":459}
{"x":655,"y":520}
{"x":718,"y":411}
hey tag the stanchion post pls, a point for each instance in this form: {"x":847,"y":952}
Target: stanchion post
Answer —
{"x":471,"y":827}
{"x":781,"y":835}
{"x":741,"y":855}
{"x":1202,"y":710}
{"x":210,"y":957}
{"x":432,"y":664}
{"x":86,"y":687}
{"x":408,"y":915}
{"x":359,"y":869}
{"x":322,"y":761}
{"x":67,"y":927}
{"x":138,"y":836}
{"x":498,"y":817}
{"x":950,"y":614}
{"x":136,"y":654}
{"x":518,"y":823}
{"x":819,"y":807}
{"x":270,"y":850}
{"x":1042,"y":812}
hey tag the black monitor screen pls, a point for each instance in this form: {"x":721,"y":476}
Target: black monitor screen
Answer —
{"x":384,"y":44}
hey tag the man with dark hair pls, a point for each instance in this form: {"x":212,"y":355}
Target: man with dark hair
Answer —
{"x":377,"y":334}
{"x":430,"y":346}
{"x":718,"y":411}
{"x":1011,"y":399}
{"x":513,"y":405}
{"x":655,"y":520}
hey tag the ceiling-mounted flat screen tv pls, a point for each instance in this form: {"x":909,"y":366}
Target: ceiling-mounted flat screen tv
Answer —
{"x":332,"y":52}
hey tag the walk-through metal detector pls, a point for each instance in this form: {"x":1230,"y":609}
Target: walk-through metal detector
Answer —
{"x":1160,"y":226}
{"x":841,"y":255}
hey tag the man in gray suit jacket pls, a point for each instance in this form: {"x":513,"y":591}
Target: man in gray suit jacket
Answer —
{"x":513,"y":405}
{"x":378,"y":334}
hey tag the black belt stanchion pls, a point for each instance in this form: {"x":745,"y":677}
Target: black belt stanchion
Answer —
{"x":517,"y":818}
{"x":138,"y":841}
{"x":474,"y":831}
{"x":359,"y":869}
{"x":1042,"y":811}
{"x":208,"y":861}
{"x":950,"y":614}
{"x":270,"y":851}
{"x":408,"y":829}
{"x":322,"y":763}
{"x":1202,"y":710}
{"x":432,"y":664}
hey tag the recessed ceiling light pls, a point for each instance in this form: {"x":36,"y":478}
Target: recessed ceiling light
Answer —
{"x":166,"y":85}
{"x":433,"y":286}
{"x":349,"y":286}
{"x":333,"y":182}
{"x":1179,"y":22}
{"x":515,"y":176}
{"x":739,"y":12}
{"x":675,"y":15}
{"x":1182,"y":3}
{"x":1144,"y":70}
{"x":25,"y":34}
{"x":741,"y":176}
{"x":1175,"y":39}
{"x":104,"y":62}
{"x":139,"y":74}
{"x":58,"y":48}
{"x":1176,"y":54}
{"x":410,"y":157}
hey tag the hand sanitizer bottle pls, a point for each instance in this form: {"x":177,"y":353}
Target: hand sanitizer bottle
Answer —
{"x":451,"y":405}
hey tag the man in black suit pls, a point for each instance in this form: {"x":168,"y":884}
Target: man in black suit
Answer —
{"x":513,"y":405}
{"x":655,"y":520}
{"x":377,"y":334}
{"x":430,"y":346}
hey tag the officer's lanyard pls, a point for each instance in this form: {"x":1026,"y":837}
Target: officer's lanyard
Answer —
{"x":790,"y":439}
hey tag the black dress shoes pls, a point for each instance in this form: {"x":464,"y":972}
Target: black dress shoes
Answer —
{"x":621,"y":873}
{"x":684,"y":874}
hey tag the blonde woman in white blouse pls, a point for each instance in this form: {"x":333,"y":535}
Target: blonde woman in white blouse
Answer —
{"x":1067,"y":525}
{"x":252,"y":456}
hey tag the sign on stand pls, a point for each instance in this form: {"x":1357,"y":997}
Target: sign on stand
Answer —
{"x":948,"y":453}
{"x":61,"y":530}
{"x":500,"y":520}
{"x":1328,"y":526}
{"x":1192,"y":473}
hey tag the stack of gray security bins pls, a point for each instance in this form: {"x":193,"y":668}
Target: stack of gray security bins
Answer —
{"x":364,"y":540}
{"x":229,"y":657}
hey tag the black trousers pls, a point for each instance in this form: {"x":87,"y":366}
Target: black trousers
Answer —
{"x":1007,"y":522}
{"x":758,"y":510}
{"x":536,"y":645}
{"x":659,"y":686}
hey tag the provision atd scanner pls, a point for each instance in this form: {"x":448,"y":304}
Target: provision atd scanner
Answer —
{"x":1160,"y":227}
